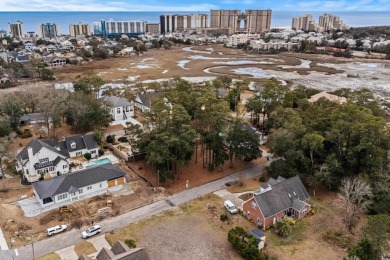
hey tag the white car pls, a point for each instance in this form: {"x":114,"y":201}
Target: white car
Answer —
{"x":230,"y":207}
{"x":91,"y":231}
{"x":57,"y":229}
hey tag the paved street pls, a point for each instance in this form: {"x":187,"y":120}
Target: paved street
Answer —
{"x":73,"y":236}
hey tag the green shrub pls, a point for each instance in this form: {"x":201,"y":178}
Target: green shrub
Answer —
{"x":123,"y":139}
{"x":130,"y":243}
{"x":101,"y":152}
{"x":110,"y":139}
{"x":224,"y":217}
{"x":244,"y":243}
{"x":87,"y":156}
{"x":26,"y":133}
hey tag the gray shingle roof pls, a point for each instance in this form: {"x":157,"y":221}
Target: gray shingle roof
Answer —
{"x":298,"y":204}
{"x":278,"y":199}
{"x":147,"y":98}
{"x":63,"y":183}
{"x":116,"y":101}
{"x":36,"y":145}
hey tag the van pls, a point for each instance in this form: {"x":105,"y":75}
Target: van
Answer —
{"x":57,"y":229}
{"x":91,"y":231}
{"x":230,"y":207}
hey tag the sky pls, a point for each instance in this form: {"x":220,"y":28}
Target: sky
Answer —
{"x":193,"y":5}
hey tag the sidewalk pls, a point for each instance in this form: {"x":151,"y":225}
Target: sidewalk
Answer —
{"x":3,"y":242}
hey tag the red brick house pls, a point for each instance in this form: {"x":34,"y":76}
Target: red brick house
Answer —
{"x":278,"y":198}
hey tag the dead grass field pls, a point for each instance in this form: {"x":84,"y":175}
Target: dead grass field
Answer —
{"x":51,"y":256}
{"x":180,"y":234}
{"x":84,"y":248}
{"x":247,"y":185}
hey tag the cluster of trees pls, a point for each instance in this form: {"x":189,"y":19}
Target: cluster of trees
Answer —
{"x":15,"y":71}
{"x":325,"y":141}
{"x":245,"y":244}
{"x":190,"y":118}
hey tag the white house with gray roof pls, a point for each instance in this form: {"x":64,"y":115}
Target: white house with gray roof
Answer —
{"x":48,"y":158}
{"x":65,"y":189}
{"x":119,"y":108}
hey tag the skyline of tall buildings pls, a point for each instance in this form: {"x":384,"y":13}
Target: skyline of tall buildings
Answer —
{"x":250,"y":21}
{"x":326,"y":22}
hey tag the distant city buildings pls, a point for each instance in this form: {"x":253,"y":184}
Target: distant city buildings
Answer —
{"x":16,"y":30}
{"x":180,"y":23}
{"x":79,"y":29}
{"x":331,"y":22}
{"x":305,"y":23}
{"x":3,"y":34}
{"x":252,"y":21}
{"x":48,"y":30}
{"x":153,"y":28}
{"x":111,"y":29}
{"x":327,"y":22}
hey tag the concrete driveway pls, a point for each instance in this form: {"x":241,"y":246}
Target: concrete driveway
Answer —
{"x":226,"y":195}
{"x":67,"y":253}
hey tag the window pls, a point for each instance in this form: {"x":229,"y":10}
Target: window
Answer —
{"x":43,"y":160}
{"x":93,"y":151}
{"x":64,"y":166}
{"x":100,"y":185}
{"x":89,"y":188}
{"x":118,"y":110}
{"x":51,"y":168}
{"x":27,"y":171}
{"x":254,"y":205}
{"x":39,"y":171}
{"x":79,"y":153}
{"x":62,"y":196}
{"x":80,"y":191}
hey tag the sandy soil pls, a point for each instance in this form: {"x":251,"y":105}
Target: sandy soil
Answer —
{"x":194,"y":173}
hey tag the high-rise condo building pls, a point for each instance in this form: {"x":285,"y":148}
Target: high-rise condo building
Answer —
{"x":179,"y":23}
{"x":331,"y":22}
{"x":79,"y":29}
{"x":111,"y":29}
{"x":305,"y":23}
{"x":153,"y":28}
{"x":252,"y":21}
{"x":48,"y":30}
{"x":16,"y":29}
{"x":3,"y":34}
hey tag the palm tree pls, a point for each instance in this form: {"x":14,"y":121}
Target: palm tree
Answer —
{"x":283,"y":228}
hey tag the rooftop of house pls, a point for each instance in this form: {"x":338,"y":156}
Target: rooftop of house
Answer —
{"x":120,"y":251}
{"x":281,"y":194}
{"x":61,"y":148}
{"x":147,"y":97}
{"x":75,"y":181}
{"x":115,"y":101}
{"x":328,"y":96}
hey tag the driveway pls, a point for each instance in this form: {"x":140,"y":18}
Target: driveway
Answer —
{"x":67,"y":253}
{"x":72,"y":236}
{"x":226,"y":195}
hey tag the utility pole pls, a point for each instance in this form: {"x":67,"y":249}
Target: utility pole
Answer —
{"x":187,"y":187}
{"x":32,"y":245}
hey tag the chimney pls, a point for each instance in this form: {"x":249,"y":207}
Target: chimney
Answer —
{"x":30,"y":160}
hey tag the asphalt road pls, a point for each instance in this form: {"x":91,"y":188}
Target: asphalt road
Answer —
{"x":73,"y":236}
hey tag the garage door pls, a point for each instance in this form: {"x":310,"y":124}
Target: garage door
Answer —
{"x":111,"y":183}
{"x":121,"y":180}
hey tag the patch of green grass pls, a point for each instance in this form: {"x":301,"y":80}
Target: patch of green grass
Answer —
{"x":297,"y":235}
{"x":51,"y":256}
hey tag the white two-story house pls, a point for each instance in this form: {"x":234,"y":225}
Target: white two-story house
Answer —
{"x":119,"y":108}
{"x":48,"y":158}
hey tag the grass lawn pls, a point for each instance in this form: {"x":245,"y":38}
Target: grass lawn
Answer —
{"x":51,"y":256}
{"x":247,"y":185}
{"x":84,"y":248}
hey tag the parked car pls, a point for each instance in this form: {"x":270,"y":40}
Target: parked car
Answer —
{"x":57,"y":229}
{"x":91,"y":231}
{"x":230,"y":207}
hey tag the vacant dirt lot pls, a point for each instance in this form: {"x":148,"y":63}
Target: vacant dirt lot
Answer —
{"x":181,"y":234}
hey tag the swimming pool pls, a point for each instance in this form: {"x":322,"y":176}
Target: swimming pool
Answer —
{"x":98,"y":163}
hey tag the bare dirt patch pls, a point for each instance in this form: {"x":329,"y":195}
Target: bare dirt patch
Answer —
{"x":180,"y":234}
{"x":84,"y":248}
{"x":51,"y":256}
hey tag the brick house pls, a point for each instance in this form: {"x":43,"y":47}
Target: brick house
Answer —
{"x":278,"y":198}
